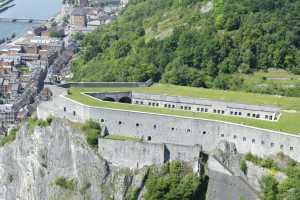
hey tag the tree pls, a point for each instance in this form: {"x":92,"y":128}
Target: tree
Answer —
{"x":269,"y":188}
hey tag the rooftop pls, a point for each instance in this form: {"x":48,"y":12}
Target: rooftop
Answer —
{"x":290,"y":113}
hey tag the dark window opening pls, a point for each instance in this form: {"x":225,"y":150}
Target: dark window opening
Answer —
{"x":149,"y":138}
{"x":240,"y":113}
{"x":222,"y":135}
{"x":102,"y":120}
{"x":173,"y":106}
{"x":223,"y":111}
{"x":198,"y":109}
{"x":270,"y":117}
{"x":248,"y":114}
{"x":281,"y":146}
{"x":244,"y":139}
{"x":206,"y":110}
{"x":149,"y":103}
{"x":154,"y":126}
{"x":65,"y":109}
{"x":262,"y":142}
{"x":291,"y":148}
{"x":136,"y":102}
{"x":137,"y":124}
{"x":253,"y":140}
{"x":188,"y":130}
{"x":204,"y":132}
{"x":74,"y":113}
{"x":157,"y":104}
{"x":234,"y":137}
{"x":272,"y":144}
{"x":172,"y":128}
{"x":119,"y":122}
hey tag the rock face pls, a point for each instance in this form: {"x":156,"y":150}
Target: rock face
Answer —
{"x":30,"y":165}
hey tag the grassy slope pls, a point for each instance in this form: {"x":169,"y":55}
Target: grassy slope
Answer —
{"x":287,"y":123}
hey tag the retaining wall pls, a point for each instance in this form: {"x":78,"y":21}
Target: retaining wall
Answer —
{"x":134,"y":154}
{"x":107,"y":84}
{"x":177,"y":130}
{"x":131,"y":154}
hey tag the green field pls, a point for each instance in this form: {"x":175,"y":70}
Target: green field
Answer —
{"x":288,"y":122}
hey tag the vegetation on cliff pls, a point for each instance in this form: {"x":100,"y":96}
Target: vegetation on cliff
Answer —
{"x":197,"y":43}
{"x":289,"y":189}
{"x":174,"y":181}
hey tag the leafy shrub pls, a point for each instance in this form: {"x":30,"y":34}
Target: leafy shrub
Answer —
{"x":49,"y":119}
{"x":10,"y":137}
{"x":65,"y":184}
{"x":265,"y":163}
{"x":243,"y":166}
{"x":174,"y":181}
{"x":92,"y":131}
{"x":269,"y":188}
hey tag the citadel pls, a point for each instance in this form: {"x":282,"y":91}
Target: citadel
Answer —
{"x":178,"y":130}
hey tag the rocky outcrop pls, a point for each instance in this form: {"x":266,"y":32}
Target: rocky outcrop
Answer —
{"x":31,"y":165}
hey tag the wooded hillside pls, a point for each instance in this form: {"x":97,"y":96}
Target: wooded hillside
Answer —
{"x":194,"y":42}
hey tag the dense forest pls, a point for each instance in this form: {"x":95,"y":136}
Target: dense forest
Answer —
{"x":194,"y":42}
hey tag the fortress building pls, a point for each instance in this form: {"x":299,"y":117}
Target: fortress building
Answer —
{"x":174,"y":129}
{"x":192,"y":104}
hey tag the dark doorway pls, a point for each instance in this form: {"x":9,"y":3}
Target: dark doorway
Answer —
{"x":125,"y":100}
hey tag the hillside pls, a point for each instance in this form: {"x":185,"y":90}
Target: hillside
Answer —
{"x":198,"y":43}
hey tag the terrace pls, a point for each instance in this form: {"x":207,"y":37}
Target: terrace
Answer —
{"x":290,"y":113}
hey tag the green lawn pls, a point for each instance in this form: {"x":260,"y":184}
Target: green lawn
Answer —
{"x":288,"y":122}
{"x":123,"y":138}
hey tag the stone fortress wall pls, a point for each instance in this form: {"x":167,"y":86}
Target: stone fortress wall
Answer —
{"x":192,"y":104}
{"x":133,"y":154}
{"x":106,"y":84}
{"x":157,"y":128}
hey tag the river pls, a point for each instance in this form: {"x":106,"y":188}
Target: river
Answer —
{"x":36,"y":9}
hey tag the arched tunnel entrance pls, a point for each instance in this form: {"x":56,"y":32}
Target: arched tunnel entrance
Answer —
{"x":125,"y":100}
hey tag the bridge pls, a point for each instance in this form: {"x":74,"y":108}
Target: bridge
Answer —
{"x":23,"y":20}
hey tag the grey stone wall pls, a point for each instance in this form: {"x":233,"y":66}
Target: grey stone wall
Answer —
{"x":131,"y":154}
{"x":107,"y":84}
{"x":177,"y":130}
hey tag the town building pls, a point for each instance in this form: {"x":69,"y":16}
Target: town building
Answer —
{"x":78,"y":18}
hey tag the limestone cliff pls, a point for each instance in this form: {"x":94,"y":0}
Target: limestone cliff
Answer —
{"x":31,"y":166}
